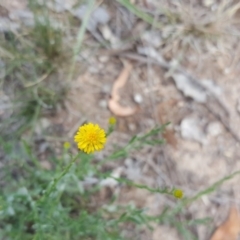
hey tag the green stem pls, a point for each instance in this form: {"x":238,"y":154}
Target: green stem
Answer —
{"x":80,"y":37}
{"x":208,"y":190}
{"x":139,"y":13}
{"x":57,"y":179}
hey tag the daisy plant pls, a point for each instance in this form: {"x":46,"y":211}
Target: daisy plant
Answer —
{"x":91,"y":138}
{"x":60,"y":203}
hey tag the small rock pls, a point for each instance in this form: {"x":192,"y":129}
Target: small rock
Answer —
{"x":191,"y":129}
{"x":227,"y":71}
{"x":214,"y":129}
{"x":190,"y":88}
{"x":138,"y":98}
{"x":197,"y":90}
{"x":106,"y":89}
{"x":103,"y":104}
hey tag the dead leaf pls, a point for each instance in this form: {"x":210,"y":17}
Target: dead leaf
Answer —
{"x":119,"y":110}
{"x":113,"y":103}
{"x":230,"y":229}
{"x":121,"y":80}
{"x":169,"y":135}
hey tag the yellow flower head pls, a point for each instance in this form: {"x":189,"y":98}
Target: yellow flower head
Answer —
{"x":178,"y":193}
{"x":66,"y":145}
{"x":90,"y":138}
{"x":112,"y":120}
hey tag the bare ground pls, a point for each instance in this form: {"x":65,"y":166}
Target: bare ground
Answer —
{"x":187,"y":163}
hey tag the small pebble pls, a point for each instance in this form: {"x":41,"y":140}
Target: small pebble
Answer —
{"x":138,"y":98}
{"x":106,"y":88}
{"x":192,"y":129}
{"x":103,"y":103}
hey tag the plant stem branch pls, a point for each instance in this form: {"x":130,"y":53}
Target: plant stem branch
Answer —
{"x":80,"y":37}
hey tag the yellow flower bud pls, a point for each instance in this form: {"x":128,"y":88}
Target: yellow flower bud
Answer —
{"x":112,"y":120}
{"x":178,"y":193}
{"x":66,"y":145}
